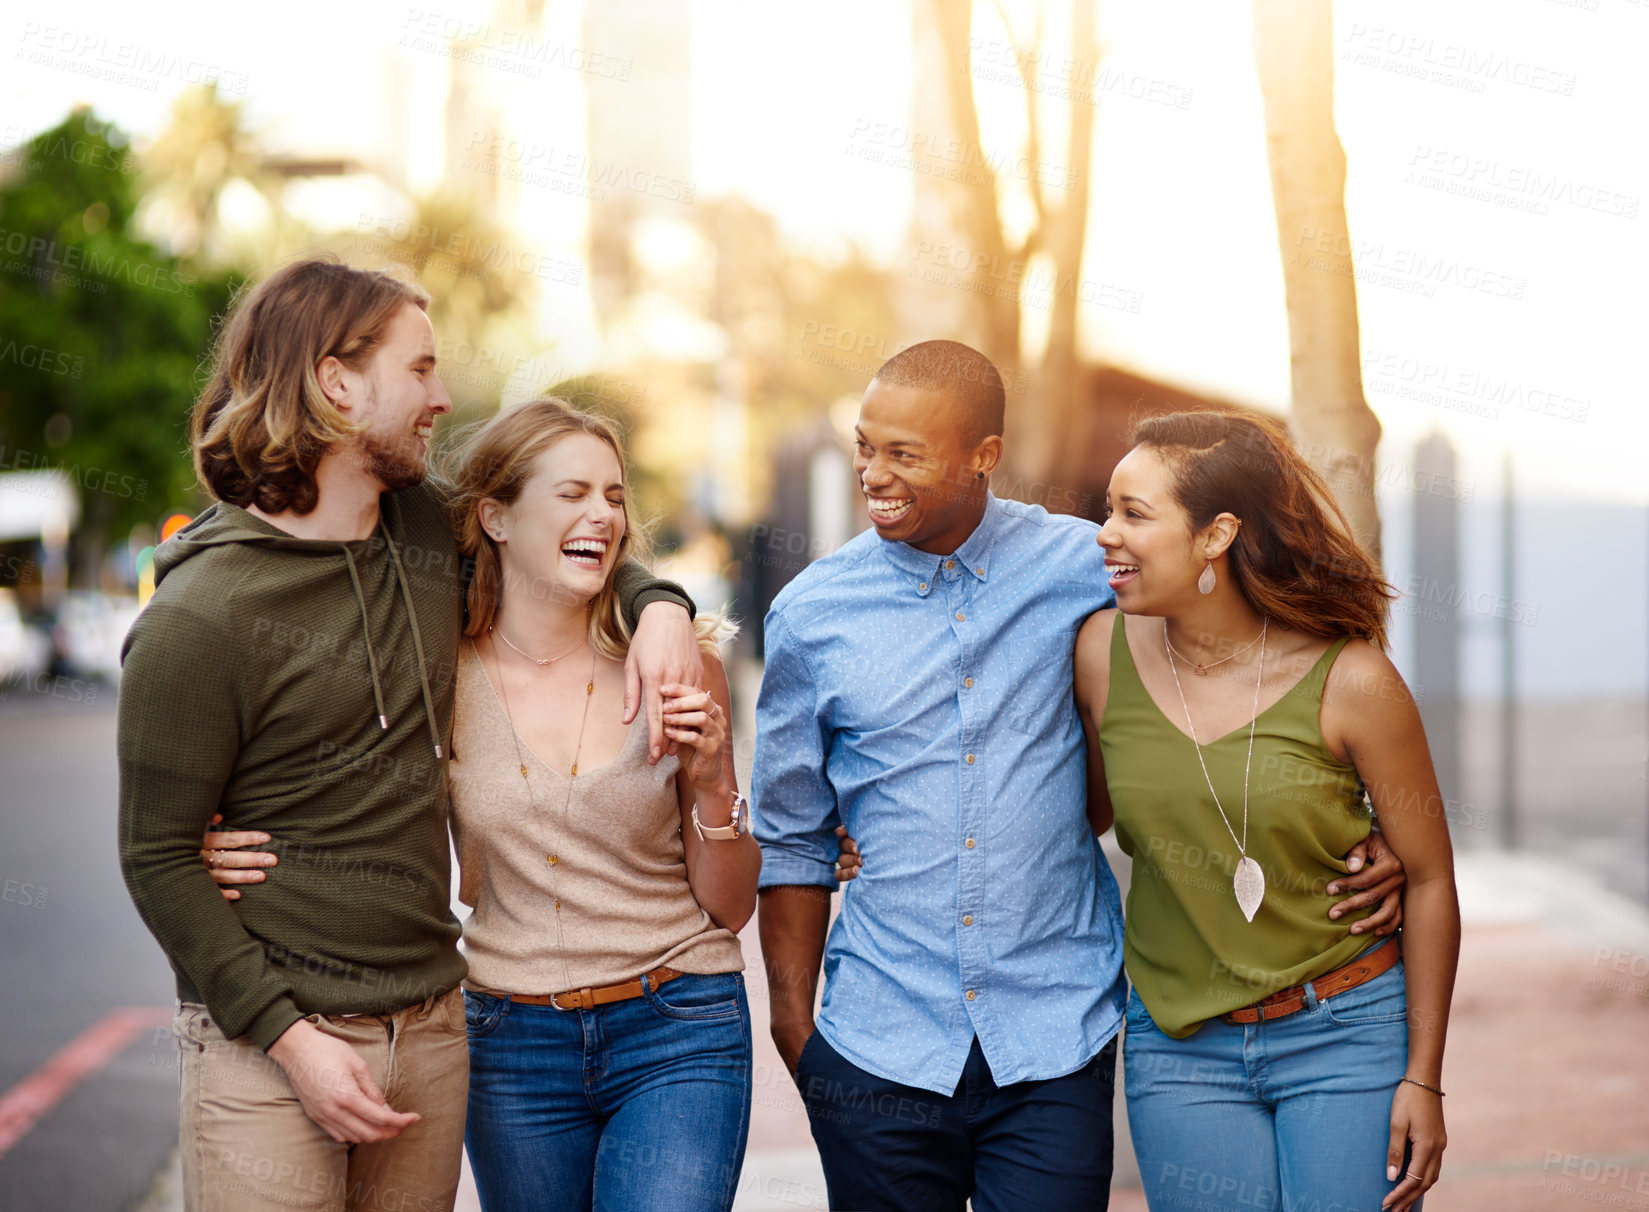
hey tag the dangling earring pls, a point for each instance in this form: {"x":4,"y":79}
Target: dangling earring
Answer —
{"x":1205,"y":583}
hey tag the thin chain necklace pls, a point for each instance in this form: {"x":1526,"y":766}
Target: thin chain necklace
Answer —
{"x":535,"y":660}
{"x":1200,"y":670}
{"x":1249,"y":880}
{"x":553,"y":858}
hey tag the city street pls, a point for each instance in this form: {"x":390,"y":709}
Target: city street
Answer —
{"x":73,"y":955}
{"x":1548,"y":1076}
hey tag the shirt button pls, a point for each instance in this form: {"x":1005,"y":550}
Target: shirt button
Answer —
{"x":960,"y":617}
{"x":968,"y":843}
{"x":968,"y":682}
{"x":980,"y":571}
{"x":949,"y":564}
{"x":970,"y":759}
{"x":923,"y":587}
{"x":970,"y":995}
{"x":967,"y":919}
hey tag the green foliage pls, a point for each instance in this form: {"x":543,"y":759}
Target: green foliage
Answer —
{"x":101,"y":334}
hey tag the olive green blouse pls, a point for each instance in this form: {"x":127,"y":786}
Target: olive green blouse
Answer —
{"x":1188,"y":950}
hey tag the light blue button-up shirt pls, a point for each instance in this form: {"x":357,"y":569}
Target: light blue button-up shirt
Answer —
{"x":926,"y":702}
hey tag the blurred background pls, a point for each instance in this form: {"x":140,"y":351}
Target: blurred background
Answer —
{"x":1410,"y":230}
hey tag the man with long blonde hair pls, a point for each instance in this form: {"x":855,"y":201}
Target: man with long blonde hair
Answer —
{"x":294,"y":673}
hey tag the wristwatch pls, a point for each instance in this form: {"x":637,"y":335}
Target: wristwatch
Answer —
{"x":723,"y":833}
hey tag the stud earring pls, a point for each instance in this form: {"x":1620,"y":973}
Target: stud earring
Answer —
{"x":1205,"y":583}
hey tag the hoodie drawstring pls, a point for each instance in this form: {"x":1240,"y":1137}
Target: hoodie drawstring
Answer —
{"x":417,"y":644}
{"x":366,"y":629}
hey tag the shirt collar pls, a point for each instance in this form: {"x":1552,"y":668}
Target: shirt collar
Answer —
{"x":974,"y":554}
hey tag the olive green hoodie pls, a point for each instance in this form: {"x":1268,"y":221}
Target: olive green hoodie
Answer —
{"x":301,"y":687}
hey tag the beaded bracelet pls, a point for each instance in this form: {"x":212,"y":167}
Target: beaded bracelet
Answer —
{"x":1416,"y":1081}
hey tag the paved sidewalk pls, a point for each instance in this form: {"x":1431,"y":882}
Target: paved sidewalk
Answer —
{"x":1547,"y":1069}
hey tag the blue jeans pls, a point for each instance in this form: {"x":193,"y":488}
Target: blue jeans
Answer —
{"x":642,"y":1103}
{"x":1292,"y":1114}
{"x":889,"y":1146}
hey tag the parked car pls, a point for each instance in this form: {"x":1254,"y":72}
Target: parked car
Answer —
{"x":25,"y":651}
{"x":89,"y":631}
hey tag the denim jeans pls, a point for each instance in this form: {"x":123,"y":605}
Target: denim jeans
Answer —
{"x":642,"y":1103}
{"x":884,"y":1145}
{"x":1292,"y":1114}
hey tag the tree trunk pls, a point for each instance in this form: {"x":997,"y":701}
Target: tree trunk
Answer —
{"x":1043,"y":415}
{"x":1337,"y":431}
{"x":1049,"y":454}
{"x":976,"y":194}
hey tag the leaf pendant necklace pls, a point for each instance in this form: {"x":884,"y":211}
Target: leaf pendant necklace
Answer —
{"x":1249,"y":881}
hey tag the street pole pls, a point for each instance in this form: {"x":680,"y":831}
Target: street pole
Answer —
{"x":1508,"y":660}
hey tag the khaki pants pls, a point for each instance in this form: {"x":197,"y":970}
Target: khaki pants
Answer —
{"x":247,"y":1146}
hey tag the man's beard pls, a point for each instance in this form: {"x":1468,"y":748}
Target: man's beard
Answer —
{"x":392,"y":463}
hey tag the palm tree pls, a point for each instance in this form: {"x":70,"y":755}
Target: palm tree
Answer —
{"x":206,"y":146}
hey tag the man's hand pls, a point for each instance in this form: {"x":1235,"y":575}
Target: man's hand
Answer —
{"x":790,"y":1038}
{"x":793,"y":921}
{"x":848,"y":858}
{"x":231,"y":865}
{"x":1379,"y":876}
{"x":335,"y":1087}
{"x":664,"y":650}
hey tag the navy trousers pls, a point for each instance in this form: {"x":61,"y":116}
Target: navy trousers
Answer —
{"x":889,"y":1146}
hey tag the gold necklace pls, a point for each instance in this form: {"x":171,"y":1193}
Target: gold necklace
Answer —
{"x":1200,"y":670}
{"x":535,"y":660}
{"x":552,"y":858}
{"x":1248,"y":882}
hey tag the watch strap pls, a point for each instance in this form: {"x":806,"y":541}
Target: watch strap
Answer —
{"x":722,"y":833}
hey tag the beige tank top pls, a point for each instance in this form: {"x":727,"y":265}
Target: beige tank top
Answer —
{"x":607,"y":843}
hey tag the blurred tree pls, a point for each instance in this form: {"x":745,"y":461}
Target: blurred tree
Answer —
{"x":100,"y":337}
{"x":1038,"y":448}
{"x":482,"y":279}
{"x":1337,"y":430}
{"x":205,"y":147}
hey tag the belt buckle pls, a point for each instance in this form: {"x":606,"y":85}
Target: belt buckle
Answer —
{"x":581,"y":1000}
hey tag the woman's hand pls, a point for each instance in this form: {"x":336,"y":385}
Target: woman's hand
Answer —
{"x":230,"y":864}
{"x":849,"y":860}
{"x":697,"y":724}
{"x":1416,"y":1122}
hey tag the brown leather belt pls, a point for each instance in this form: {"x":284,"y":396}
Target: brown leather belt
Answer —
{"x":1286,"y":1001}
{"x":588,"y":999}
